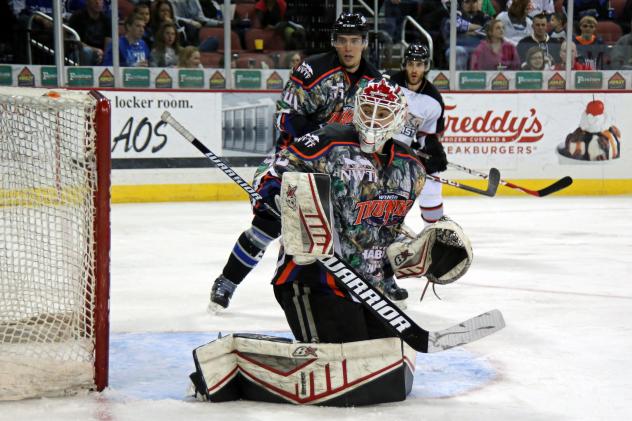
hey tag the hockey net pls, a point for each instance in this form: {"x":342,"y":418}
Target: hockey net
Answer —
{"x":54,"y":242}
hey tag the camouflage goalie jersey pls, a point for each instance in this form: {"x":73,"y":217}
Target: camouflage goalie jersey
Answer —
{"x":371,"y":195}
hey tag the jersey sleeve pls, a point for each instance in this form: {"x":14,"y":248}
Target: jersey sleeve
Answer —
{"x":300,"y":98}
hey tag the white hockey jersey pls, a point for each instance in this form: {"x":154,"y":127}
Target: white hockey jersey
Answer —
{"x":425,"y":115}
{"x":425,"y":118}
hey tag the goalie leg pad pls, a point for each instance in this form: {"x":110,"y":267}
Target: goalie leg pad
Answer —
{"x":441,"y":252}
{"x":306,"y":216}
{"x":270,"y":369}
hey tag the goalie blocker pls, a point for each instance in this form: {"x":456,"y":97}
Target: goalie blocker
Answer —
{"x":278,"y":370}
{"x":306,"y":216}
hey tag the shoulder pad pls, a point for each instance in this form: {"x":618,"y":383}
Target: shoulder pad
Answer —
{"x":313,"y":67}
{"x":316,"y":144}
{"x":432,"y":91}
{"x":370,"y":70}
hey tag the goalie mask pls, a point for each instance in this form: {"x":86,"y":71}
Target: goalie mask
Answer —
{"x":441,"y":252}
{"x":380,"y":112}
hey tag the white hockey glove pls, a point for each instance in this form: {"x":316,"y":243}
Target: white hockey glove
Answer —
{"x":306,"y":216}
{"x":441,"y":252}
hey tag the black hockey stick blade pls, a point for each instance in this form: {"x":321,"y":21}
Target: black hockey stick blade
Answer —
{"x":560,"y":184}
{"x":468,"y":331}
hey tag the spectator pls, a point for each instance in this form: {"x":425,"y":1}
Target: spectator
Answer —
{"x":539,"y":38}
{"x":621,"y":56}
{"x":142,"y":10}
{"x":589,"y":44}
{"x":487,"y":7}
{"x":558,"y":24}
{"x":41,"y":30}
{"x":133,"y":52}
{"x":94,"y":29}
{"x":625,"y":18}
{"x":189,"y":58}
{"x":536,"y":7}
{"x":495,"y":52}
{"x":394,"y":11}
{"x":434,"y":12}
{"x":211,"y":9}
{"x":190,"y":14}
{"x":516,"y":21}
{"x":7,"y":33}
{"x":294,"y":60}
{"x":534,"y":59}
{"x":272,"y":14}
{"x":470,"y":21}
{"x":575,"y":63}
{"x":166,"y":49}
{"x":595,"y":8}
{"x":163,"y":12}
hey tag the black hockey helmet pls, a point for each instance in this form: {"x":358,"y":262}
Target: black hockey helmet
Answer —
{"x":350,"y":24}
{"x":417,"y":52}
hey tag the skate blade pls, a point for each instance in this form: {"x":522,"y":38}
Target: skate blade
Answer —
{"x":401,"y":304}
{"x":214,"y":309}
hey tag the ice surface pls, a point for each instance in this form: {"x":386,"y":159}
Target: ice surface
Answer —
{"x":558,"y":268}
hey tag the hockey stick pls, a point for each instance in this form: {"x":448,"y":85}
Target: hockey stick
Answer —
{"x":380,"y":306}
{"x":492,"y":183}
{"x":560,"y":184}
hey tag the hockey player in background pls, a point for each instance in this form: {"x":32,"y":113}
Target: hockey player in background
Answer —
{"x":422,"y":132}
{"x":320,"y":90}
{"x":373,"y":182}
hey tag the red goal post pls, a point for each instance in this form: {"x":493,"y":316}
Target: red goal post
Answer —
{"x":54,"y":241}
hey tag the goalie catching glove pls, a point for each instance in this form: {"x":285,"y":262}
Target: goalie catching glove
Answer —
{"x":441,"y":252}
{"x":306,"y":216}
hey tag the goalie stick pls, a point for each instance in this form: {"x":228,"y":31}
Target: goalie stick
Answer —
{"x":558,"y":185}
{"x":347,"y":278}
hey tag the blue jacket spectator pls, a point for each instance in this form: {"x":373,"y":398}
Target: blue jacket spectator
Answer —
{"x":133,"y":52}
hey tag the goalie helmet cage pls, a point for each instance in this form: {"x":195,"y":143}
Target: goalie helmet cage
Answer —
{"x":54,"y":241}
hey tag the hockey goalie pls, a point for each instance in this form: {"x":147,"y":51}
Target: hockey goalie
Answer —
{"x":345,"y":189}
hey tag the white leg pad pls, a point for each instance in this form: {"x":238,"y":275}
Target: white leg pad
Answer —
{"x":264,"y":368}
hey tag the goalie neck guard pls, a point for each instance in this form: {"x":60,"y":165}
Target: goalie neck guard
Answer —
{"x":380,"y":112}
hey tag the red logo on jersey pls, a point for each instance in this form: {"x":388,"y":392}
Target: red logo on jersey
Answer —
{"x":388,"y":209}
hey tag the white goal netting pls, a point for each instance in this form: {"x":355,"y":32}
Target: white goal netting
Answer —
{"x":48,"y":175}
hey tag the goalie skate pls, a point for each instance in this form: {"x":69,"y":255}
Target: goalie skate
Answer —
{"x":221,"y":293}
{"x":395,"y":293}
